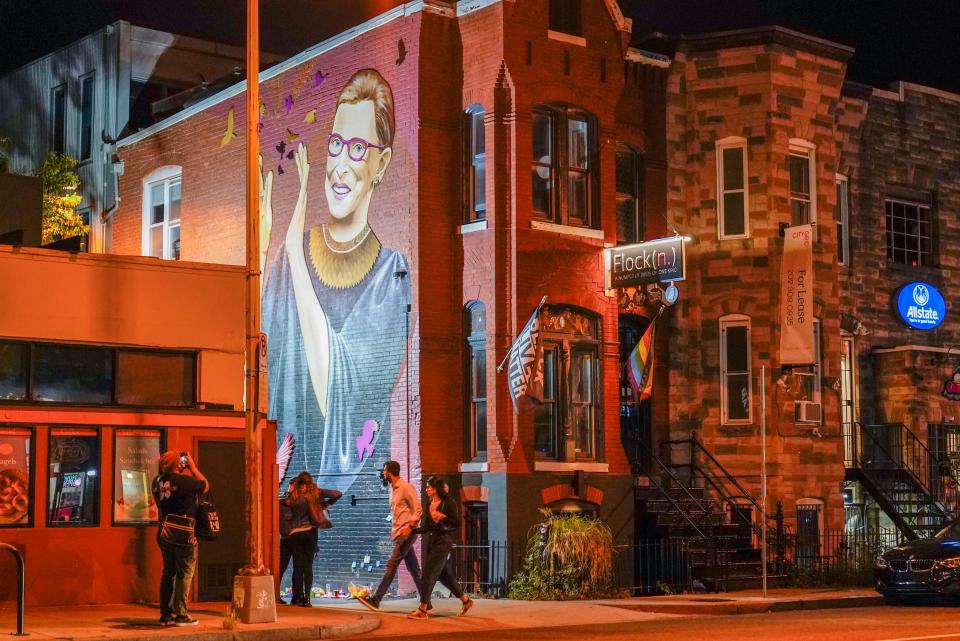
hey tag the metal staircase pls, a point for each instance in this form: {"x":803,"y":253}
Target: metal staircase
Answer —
{"x":917,"y":491}
{"x":690,"y":501}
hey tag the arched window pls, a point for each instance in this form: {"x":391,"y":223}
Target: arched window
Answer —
{"x":161,"y":213}
{"x":475,"y":201}
{"x":570,"y":414}
{"x":476,"y":358}
{"x":565,"y":167}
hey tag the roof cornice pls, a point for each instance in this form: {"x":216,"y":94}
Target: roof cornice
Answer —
{"x":766,"y":35}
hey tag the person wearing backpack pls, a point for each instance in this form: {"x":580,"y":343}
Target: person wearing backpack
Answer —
{"x":307,"y":504}
{"x":176,"y":491}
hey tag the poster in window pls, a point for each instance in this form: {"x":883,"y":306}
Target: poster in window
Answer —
{"x":74,"y":472}
{"x":134,"y":465}
{"x":14,"y":476}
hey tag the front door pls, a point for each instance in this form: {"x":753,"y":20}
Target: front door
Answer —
{"x":222,"y":462}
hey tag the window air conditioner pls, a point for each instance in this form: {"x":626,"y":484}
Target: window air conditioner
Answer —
{"x":807,"y":412}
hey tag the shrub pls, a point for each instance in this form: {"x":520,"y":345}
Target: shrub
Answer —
{"x":568,"y":557}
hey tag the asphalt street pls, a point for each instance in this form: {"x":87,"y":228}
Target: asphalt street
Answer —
{"x":865,"y":624}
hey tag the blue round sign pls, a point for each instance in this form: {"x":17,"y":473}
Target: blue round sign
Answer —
{"x":921,"y":306}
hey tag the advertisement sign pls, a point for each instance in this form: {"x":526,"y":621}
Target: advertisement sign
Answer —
{"x":796,"y":297}
{"x":134,"y":466}
{"x":921,"y":306}
{"x":951,"y":386}
{"x":657,"y":261}
{"x":14,"y":476}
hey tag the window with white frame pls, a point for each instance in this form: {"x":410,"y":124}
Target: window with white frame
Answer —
{"x":809,"y":378}
{"x":803,"y":193}
{"x":86,"y":117}
{"x":732,"y":205}
{"x":909,"y":233}
{"x":842,"y":215}
{"x":476,"y":380}
{"x":736,"y":385}
{"x":475,"y":188}
{"x":564,"y":170}
{"x":161,"y":214}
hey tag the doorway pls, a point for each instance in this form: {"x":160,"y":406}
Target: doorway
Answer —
{"x":222,"y":462}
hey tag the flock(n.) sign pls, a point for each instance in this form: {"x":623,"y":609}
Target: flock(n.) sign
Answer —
{"x":656,"y":261}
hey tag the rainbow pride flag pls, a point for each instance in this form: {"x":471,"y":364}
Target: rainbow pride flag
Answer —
{"x":640,"y":365}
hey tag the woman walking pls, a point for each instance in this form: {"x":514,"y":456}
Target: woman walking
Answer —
{"x":304,"y":500}
{"x":441,"y":521}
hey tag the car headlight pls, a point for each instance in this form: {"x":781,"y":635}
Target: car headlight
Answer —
{"x":881,"y":563}
{"x":948,"y":564}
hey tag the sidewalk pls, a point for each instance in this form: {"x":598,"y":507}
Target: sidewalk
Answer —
{"x":337,"y":619}
{"x":751,"y":601}
{"x":140,"y":623}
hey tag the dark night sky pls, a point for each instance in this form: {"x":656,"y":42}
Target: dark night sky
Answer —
{"x":913,"y":40}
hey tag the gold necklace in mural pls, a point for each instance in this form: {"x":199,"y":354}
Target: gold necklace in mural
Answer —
{"x":342,"y":265}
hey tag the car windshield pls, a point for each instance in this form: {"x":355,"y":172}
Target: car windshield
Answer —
{"x":952,"y":531}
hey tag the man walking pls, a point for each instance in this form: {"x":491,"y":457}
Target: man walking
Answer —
{"x":406,"y":511}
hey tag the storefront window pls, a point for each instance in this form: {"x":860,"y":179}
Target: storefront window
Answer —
{"x":74,"y":473}
{"x":13,"y":371}
{"x":15,"y":453}
{"x":134,"y":465}
{"x":67,"y":374}
{"x":155,"y":378}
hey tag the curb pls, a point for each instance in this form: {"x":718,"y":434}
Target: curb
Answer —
{"x":752,"y":607}
{"x":359,"y":625}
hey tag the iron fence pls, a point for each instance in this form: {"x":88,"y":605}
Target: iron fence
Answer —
{"x":807,"y":557}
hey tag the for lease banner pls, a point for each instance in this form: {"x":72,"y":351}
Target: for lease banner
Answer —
{"x":796,"y":297}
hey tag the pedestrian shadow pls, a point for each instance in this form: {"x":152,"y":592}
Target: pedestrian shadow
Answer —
{"x":134,"y":623}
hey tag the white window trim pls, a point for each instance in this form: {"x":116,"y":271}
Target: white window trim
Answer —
{"x":800,"y":147}
{"x":569,"y":230}
{"x":732,"y":142}
{"x":162,"y":174}
{"x":468,"y":228}
{"x":735,"y":320}
{"x":818,"y":366}
{"x":846,"y":338}
{"x":568,"y":38}
{"x":844,"y":206}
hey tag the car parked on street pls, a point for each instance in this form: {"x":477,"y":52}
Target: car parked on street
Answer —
{"x":922,"y":568}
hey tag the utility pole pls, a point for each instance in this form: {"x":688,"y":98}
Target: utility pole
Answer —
{"x":252,"y":435}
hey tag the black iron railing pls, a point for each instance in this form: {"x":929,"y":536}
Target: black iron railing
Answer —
{"x":21,"y":582}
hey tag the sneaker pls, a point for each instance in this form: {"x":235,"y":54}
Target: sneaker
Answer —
{"x":184,"y":620}
{"x":466,"y":606}
{"x":166,"y":620}
{"x":280,"y":601}
{"x":371,"y":602}
{"x":419,"y":613}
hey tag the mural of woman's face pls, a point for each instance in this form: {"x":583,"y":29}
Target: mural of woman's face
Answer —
{"x":349,"y":183}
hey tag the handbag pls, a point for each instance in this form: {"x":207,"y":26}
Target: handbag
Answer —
{"x":208,"y":521}
{"x":178,"y":529}
{"x":319,"y":517}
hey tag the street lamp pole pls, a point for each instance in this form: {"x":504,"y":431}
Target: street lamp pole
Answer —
{"x":252,"y":435}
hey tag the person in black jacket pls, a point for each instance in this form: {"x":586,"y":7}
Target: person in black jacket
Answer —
{"x":441,"y":523}
{"x":303,"y":532}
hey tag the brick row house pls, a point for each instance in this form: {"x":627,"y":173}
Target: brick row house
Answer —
{"x":481,"y":156}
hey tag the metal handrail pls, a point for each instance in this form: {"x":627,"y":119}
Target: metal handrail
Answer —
{"x":673,"y":502}
{"x":694,"y":442}
{"x":21,"y":583}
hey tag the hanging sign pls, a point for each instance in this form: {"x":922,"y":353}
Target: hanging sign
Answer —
{"x":657,"y":261}
{"x":921,"y":306}
{"x":796,"y":297}
{"x":951,"y":386}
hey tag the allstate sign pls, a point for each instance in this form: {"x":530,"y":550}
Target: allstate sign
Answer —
{"x":921,"y":305}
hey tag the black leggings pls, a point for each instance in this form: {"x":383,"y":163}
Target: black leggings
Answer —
{"x":304,"y":548}
{"x":437,"y":566}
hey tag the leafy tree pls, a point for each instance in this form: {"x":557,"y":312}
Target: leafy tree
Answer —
{"x":60,"y":199}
